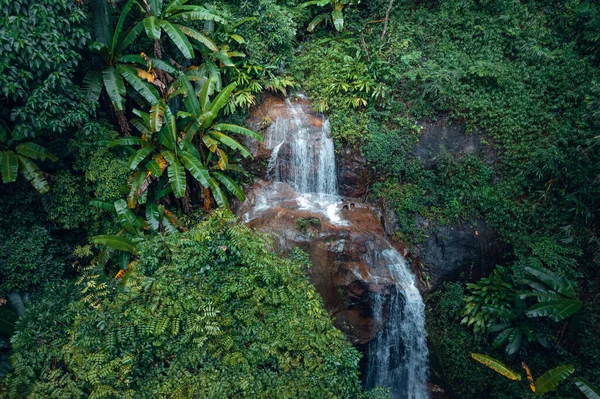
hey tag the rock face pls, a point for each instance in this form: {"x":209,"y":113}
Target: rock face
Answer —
{"x":353,"y":173}
{"x":471,"y":248}
{"x":441,"y":135}
{"x":347,"y":268}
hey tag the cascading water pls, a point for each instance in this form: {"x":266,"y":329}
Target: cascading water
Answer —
{"x":303,"y":158}
{"x":398,"y":356}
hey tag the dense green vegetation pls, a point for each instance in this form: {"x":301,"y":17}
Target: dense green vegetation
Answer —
{"x":121,"y":127}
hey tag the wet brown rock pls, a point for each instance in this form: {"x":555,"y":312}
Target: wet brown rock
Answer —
{"x":347,"y":266}
{"x":353,"y":173}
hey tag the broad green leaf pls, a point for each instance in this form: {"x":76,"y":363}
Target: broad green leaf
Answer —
{"x":33,"y":174}
{"x":338,"y":19}
{"x":551,"y":378}
{"x":116,"y":38}
{"x":502,"y":338}
{"x":497,"y":366}
{"x":107,"y":206}
{"x":115,"y":242}
{"x":129,"y":140}
{"x":154,"y":168}
{"x":231,"y":143}
{"x":156,"y":116}
{"x":152,"y":27}
{"x":177,"y":179}
{"x":197,"y":170}
{"x":560,"y":284}
{"x":224,"y":127}
{"x":316,"y":21}
{"x":319,"y":3}
{"x":218,"y":194}
{"x":557,"y":310}
{"x":194,"y":34}
{"x":171,"y":124}
{"x":139,"y":156}
{"x":145,"y":89}
{"x":203,"y":95}
{"x":514,"y":341}
{"x":177,"y":36}
{"x":156,"y":6}
{"x":218,"y":103}
{"x":588,"y":389}
{"x":224,"y":58}
{"x":231,"y":185}
{"x":34,"y":151}
{"x":101,"y":17}
{"x":92,"y":84}
{"x":239,"y":39}
{"x":113,"y":83}
{"x":129,"y":37}
{"x":124,"y":258}
{"x":127,"y":219}
{"x":153,"y":216}
{"x":172,"y":6}
{"x":195,"y":13}
{"x":9,"y":166}
{"x":192,"y":105}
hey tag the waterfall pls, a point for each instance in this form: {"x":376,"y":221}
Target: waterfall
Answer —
{"x":303,"y":158}
{"x":398,"y":356}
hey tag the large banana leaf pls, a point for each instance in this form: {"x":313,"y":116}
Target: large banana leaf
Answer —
{"x":551,"y":378}
{"x":153,"y":216}
{"x":107,"y":206}
{"x":128,"y":38}
{"x":33,"y":174}
{"x":316,"y":21}
{"x":588,"y":389}
{"x":113,"y":83}
{"x":231,"y":143}
{"x":156,"y":116}
{"x":514,"y":341}
{"x":115,"y":242}
{"x":176,"y":174}
{"x":154,"y":167}
{"x":218,"y":194}
{"x":497,"y":366}
{"x":194,"y":34}
{"x":237,"y":129}
{"x":101,"y":16}
{"x":197,"y":170}
{"x":92,"y":84}
{"x":146,"y":90}
{"x":156,"y":6}
{"x":192,"y":105}
{"x":139,"y":156}
{"x":231,"y":185}
{"x":34,"y":151}
{"x":127,"y":219}
{"x":204,"y":93}
{"x":194,"y":13}
{"x":560,"y":284}
{"x":117,"y":36}
{"x":129,"y":140}
{"x":177,"y":36}
{"x":338,"y":19}
{"x":9,"y":166}
{"x":319,"y":3}
{"x":218,"y":103}
{"x":557,"y":310}
{"x":152,"y":27}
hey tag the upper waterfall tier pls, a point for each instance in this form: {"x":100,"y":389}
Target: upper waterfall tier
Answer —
{"x":303,"y":154}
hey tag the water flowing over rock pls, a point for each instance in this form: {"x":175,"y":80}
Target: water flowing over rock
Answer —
{"x":365,"y":282}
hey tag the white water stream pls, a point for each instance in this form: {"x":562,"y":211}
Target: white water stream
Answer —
{"x":303,"y":157}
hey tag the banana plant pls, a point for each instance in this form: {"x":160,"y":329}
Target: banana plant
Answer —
{"x":172,"y":19}
{"x":545,"y":383}
{"x":18,"y":156}
{"x":556,"y":295}
{"x":110,"y":44}
{"x":192,"y":142}
{"x":336,"y":16}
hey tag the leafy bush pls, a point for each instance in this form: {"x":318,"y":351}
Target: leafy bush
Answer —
{"x":207,"y":313}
